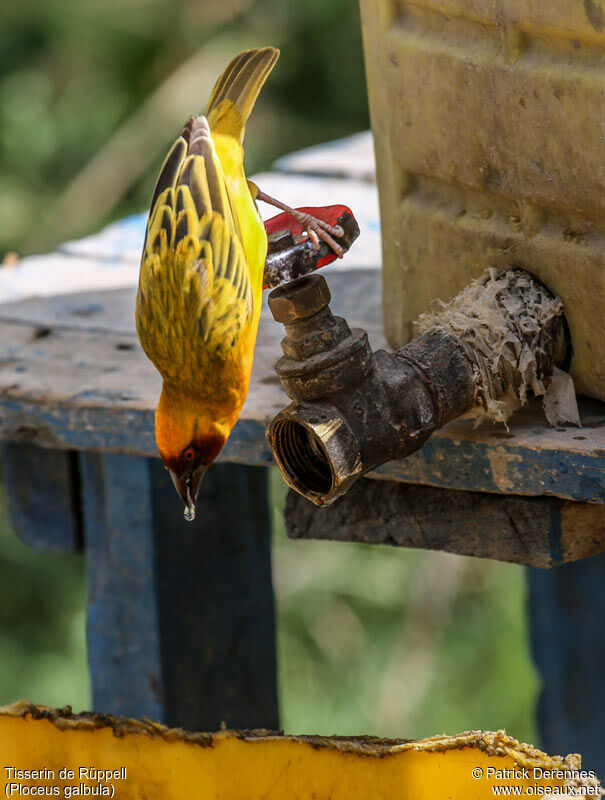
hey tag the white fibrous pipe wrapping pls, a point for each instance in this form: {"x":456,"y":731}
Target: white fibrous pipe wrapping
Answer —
{"x":502,"y":323}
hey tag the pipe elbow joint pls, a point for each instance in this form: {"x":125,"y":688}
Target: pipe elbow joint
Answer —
{"x":316,"y":449}
{"x":353,"y":410}
{"x":346,"y":415}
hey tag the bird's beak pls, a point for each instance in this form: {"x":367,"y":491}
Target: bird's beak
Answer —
{"x":187,"y":486}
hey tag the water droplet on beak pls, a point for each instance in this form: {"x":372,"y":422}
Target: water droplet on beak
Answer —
{"x":190,"y":505}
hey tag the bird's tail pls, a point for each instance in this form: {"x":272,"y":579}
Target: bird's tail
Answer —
{"x":235,"y":93}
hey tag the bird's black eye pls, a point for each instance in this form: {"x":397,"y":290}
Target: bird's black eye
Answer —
{"x":189,"y":454}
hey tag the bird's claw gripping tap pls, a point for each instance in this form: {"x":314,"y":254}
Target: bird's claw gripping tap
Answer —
{"x":292,"y":255}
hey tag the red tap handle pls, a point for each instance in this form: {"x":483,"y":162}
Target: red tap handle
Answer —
{"x":289,"y":247}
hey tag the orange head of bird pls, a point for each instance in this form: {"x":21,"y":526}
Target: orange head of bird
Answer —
{"x":188,"y":441}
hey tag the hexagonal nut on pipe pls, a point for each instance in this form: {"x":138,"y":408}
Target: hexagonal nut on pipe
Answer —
{"x":316,"y":451}
{"x":299,"y":299}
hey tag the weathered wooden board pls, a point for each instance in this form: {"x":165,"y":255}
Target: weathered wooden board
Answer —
{"x":534,"y":531}
{"x":529,"y":458}
{"x":74,"y":376}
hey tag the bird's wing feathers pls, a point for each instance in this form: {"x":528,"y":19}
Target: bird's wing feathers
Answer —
{"x":170,"y":168}
{"x":194,"y":280}
{"x":235,"y":93}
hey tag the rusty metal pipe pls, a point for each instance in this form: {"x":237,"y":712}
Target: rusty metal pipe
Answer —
{"x":353,"y":409}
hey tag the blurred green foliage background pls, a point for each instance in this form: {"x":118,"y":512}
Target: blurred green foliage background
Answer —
{"x":93,"y":92}
{"x":373,"y":640}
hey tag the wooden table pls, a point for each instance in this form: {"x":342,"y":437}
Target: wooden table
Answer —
{"x":180,"y":616}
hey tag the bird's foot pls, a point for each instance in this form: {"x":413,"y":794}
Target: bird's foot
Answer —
{"x":318,"y":229}
{"x":315,"y":228}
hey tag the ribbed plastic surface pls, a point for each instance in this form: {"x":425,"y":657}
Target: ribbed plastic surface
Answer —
{"x":489,"y":126}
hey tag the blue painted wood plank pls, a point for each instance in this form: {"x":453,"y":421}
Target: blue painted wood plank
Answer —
{"x":123,"y":630}
{"x":567,"y":624}
{"x":180,"y":620}
{"x":454,"y":463}
{"x":42,"y":493}
{"x":443,"y":461}
{"x":446,"y":460}
{"x":120,"y":430}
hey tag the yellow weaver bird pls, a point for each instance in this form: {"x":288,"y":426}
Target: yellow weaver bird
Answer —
{"x":200,"y":284}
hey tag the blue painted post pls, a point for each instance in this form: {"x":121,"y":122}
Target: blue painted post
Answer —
{"x":567,"y":620}
{"x":43,"y":496}
{"x":180,"y":618}
{"x":123,"y":629}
